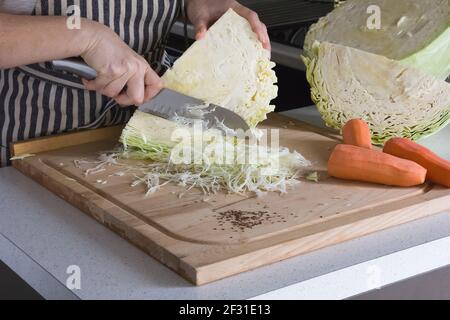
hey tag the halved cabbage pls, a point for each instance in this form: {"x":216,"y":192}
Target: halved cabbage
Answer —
{"x":395,"y":100}
{"x":414,"y":32}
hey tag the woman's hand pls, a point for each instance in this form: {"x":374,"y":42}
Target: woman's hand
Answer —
{"x":203,"y":13}
{"x":119,"y":67}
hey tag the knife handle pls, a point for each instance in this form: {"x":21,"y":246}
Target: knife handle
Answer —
{"x":75,"y":66}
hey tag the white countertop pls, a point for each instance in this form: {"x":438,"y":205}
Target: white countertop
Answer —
{"x":42,"y":235}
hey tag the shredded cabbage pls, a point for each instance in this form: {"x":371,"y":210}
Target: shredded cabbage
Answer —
{"x":263,"y":169}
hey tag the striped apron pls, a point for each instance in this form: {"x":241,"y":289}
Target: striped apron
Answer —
{"x":37,"y":101}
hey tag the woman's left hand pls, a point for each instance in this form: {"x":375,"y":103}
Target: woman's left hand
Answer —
{"x":203,"y":13}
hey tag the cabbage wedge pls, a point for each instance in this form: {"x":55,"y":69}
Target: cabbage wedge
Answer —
{"x":229,"y":68}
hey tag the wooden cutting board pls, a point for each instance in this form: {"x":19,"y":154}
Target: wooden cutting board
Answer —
{"x":201,"y":240}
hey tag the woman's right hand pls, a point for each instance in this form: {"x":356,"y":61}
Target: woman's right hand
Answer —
{"x":118,"y":67}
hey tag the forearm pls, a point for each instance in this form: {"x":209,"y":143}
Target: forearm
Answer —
{"x":29,"y":39}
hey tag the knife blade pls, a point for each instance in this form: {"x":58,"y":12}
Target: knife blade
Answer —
{"x":168,"y":104}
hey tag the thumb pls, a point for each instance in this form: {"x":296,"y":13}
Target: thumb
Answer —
{"x":200,"y":30}
{"x":89,"y":84}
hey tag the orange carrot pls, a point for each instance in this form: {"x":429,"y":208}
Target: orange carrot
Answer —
{"x":356,"y":132}
{"x":438,"y":169}
{"x":361,"y":164}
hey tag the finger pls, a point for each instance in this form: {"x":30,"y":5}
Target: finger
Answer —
{"x":257,"y":26}
{"x":100,"y":82}
{"x":253,"y":18}
{"x":200,"y":30}
{"x":87,"y":83}
{"x":266,"y":41}
{"x":261,"y":31}
{"x":115,"y":87}
{"x":90,"y":85}
{"x":123,"y":100}
{"x":134,"y":94}
{"x":153,"y":84}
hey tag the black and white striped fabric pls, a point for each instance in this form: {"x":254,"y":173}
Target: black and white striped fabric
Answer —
{"x":36,"y":100}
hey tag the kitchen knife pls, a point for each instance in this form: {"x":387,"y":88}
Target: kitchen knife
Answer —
{"x":168,"y":104}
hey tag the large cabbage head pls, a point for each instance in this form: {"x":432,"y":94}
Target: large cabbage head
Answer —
{"x":414,"y":32}
{"x":394,"y":99}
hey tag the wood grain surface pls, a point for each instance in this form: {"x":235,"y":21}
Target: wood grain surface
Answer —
{"x":188,"y":235}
